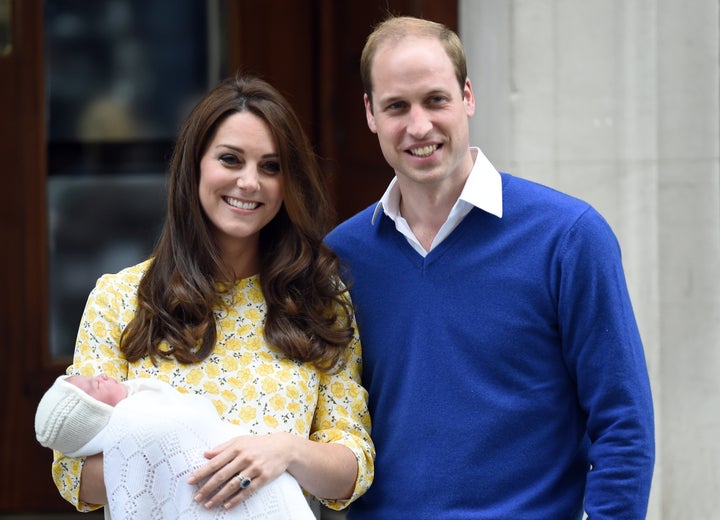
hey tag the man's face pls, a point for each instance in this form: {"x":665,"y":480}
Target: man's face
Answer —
{"x":419,"y":112}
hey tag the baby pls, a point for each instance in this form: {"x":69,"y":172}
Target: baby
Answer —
{"x":76,"y":409}
{"x":152,"y":437}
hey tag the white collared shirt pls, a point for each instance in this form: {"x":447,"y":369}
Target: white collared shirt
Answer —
{"x":483,"y":190}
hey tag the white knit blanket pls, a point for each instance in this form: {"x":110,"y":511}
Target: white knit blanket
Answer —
{"x":152,"y":443}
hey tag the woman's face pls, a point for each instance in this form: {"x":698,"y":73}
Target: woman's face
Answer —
{"x":241,"y":187}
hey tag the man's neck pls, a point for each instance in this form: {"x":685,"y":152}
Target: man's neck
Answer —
{"x":426,"y":207}
{"x":424,"y":215}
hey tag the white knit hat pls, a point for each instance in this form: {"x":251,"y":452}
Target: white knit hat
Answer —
{"x":67,"y":418}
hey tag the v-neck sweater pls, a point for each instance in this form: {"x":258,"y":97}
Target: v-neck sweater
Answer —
{"x":502,"y":366}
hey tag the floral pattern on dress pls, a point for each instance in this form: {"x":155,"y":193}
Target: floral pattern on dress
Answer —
{"x":249,"y":382}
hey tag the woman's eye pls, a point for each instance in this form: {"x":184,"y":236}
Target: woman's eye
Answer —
{"x":228,"y":158}
{"x":272,"y":167}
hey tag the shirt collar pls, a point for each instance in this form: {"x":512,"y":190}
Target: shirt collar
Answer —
{"x":483,"y":189}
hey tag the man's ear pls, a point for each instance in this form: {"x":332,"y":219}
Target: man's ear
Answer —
{"x":469,"y":98}
{"x":369,"y":114}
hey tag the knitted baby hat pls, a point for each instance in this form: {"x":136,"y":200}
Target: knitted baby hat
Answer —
{"x":67,"y":418}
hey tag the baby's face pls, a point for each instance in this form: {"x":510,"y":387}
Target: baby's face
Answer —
{"x":102,"y":387}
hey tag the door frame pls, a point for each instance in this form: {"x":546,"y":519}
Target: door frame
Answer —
{"x":323,"y":38}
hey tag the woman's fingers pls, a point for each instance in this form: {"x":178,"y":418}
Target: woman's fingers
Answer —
{"x":210,"y":470}
{"x":238,"y":488}
{"x":240,"y":467}
{"x":218,"y":475}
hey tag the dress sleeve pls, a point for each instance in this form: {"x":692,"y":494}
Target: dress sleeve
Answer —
{"x":342,"y":416}
{"x":96,"y":350}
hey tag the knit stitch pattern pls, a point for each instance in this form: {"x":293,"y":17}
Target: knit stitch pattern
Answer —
{"x":151,"y":449}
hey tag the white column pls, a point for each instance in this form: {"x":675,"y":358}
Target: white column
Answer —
{"x":616,"y":102}
{"x":688,"y":142}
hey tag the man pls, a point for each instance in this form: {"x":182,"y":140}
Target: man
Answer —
{"x":506,"y":374}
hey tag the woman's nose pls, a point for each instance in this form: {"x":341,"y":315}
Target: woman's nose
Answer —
{"x":248,"y":180}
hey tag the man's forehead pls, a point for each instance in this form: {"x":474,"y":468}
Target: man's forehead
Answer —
{"x":419,"y":44}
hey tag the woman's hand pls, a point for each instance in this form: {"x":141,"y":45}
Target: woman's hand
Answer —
{"x":241,"y":466}
{"x":92,"y":481}
{"x":326,"y":470}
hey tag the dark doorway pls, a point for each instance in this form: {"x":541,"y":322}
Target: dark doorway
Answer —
{"x":309,"y":49}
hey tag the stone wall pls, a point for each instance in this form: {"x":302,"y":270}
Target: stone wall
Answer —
{"x":616,"y":102}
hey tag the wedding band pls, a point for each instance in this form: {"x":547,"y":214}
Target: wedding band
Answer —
{"x":244,"y":481}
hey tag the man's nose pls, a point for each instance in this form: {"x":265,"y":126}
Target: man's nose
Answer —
{"x":419,"y":123}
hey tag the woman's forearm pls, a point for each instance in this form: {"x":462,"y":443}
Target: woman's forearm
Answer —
{"x":326,"y":470}
{"x":92,"y":482}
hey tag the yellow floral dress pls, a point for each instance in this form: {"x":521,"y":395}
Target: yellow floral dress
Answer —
{"x":249,"y":382}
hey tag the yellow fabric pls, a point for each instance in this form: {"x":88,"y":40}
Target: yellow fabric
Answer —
{"x":249,"y":382}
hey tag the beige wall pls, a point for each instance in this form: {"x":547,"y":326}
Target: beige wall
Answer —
{"x":616,"y":101}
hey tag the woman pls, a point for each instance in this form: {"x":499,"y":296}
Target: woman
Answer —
{"x":240,"y":301}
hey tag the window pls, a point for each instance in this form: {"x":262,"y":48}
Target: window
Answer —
{"x":121,"y":77}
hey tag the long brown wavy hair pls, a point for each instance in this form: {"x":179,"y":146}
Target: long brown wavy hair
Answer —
{"x":308,"y":315}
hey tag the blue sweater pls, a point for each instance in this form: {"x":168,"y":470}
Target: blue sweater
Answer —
{"x":506,"y":374}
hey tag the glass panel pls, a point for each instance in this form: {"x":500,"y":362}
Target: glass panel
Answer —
{"x":97,"y":224}
{"x":5,"y":27}
{"x":121,"y":76}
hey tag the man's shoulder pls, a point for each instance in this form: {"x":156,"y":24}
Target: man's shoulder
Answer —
{"x":363,"y":220}
{"x":530,"y":204}
{"x":513,"y":183}
{"x":521,"y":193}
